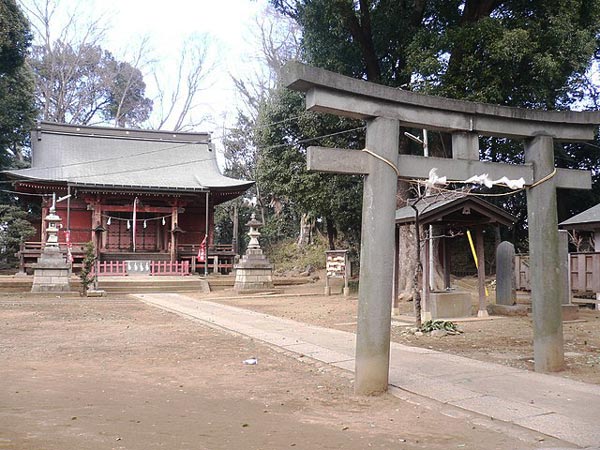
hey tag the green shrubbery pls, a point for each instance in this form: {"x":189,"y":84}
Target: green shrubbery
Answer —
{"x":287,"y":255}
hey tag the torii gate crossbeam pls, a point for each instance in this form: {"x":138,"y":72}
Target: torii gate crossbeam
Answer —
{"x":385,"y":109}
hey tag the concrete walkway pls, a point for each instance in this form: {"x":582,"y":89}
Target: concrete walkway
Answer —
{"x":555,"y":406}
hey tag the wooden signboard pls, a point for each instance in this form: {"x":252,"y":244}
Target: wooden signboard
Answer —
{"x":337,"y":266}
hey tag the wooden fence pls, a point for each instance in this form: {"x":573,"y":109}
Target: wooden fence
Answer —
{"x":584,"y":269}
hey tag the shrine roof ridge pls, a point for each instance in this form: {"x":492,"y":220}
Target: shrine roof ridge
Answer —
{"x":45,"y":127}
{"x":302,"y":77}
{"x":434,"y":208}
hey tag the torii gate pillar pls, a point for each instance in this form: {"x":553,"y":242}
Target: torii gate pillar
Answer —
{"x":545,"y":271}
{"x":376,"y":260}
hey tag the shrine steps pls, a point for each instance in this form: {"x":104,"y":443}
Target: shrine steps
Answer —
{"x":10,"y":285}
{"x":115,"y":285}
{"x":141,"y":284}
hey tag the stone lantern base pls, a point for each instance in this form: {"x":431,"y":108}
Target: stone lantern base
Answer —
{"x":51,"y":272}
{"x":253,"y":273}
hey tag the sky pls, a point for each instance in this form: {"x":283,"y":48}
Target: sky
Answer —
{"x":227,"y":25}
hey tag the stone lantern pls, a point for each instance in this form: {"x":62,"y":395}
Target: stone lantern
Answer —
{"x":51,"y":272}
{"x":254,"y":273}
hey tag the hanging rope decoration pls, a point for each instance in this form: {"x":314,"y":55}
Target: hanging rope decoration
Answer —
{"x":516,"y":185}
{"x":163,"y":220}
{"x":437,"y":182}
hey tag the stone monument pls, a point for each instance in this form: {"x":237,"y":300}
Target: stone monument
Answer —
{"x":505,"y":274}
{"x":51,"y":272}
{"x":254,"y":273}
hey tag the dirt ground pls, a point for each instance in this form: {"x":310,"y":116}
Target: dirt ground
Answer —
{"x":118,"y":374}
{"x":502,"y":340}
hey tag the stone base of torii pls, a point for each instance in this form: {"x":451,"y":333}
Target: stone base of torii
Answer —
{"x":385,"y":109}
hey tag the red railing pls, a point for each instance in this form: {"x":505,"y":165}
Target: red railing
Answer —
{"x":158,"y":268}
{"x":112,"y":268}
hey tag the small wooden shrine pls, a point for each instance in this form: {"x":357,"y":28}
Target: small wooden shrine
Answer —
{"x":139,"y":195}
{"x":451,"y":213}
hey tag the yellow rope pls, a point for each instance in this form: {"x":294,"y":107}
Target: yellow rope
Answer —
{"x":381,"y":158}
{"x":542,"y":180}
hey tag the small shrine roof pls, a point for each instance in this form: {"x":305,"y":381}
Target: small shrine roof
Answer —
{"x":586,"y":220}
{"x":122,"y":158}
{"x":454,"y":208}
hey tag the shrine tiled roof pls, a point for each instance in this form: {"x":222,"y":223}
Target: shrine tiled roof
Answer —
{"x":586,"y":220}
{"x":125,"y":158}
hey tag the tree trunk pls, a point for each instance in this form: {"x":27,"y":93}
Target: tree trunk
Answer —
{"x":305,"y":228}
{"x":331,"y":233}
{"x":407,"y":262}
{"x":437,"y":282}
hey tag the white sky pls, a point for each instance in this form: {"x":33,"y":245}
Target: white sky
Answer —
{"x":167,"y":24}
{"x":227,"y":24}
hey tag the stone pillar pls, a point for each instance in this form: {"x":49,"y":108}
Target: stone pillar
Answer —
{"x":569,"y":310}
{"x":395,"y":308}
{"x":426,"y":301}
{"x":563,"y":249}
{"x":465,"y":145}
{"x":377,"y":257}
{"x":545,"y":272}
{"x":506,"y":293}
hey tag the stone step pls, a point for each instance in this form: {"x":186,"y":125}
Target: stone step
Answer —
{"x":140,"y":284}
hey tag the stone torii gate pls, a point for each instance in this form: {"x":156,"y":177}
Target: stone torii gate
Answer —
{"x":385,"y":109}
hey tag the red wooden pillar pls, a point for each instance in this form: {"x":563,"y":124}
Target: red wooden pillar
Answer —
{"x":97,"y":237}
{"x":174,"y":227}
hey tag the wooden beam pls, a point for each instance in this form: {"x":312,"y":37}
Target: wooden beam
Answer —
{"x":140,"y":209}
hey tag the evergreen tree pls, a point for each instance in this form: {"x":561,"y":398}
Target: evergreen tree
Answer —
{"x":525,"y":53}
{"x":17,"y":112}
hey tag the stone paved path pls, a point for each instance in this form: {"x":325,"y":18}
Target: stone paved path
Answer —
{"x":565,"y":409}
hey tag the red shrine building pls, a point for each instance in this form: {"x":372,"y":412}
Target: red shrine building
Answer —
{"x":138,"y":195}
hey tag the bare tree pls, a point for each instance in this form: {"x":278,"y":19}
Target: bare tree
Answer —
{"x":77,"y":80}
{"x":177,"y":101}
{"x":278,"y":38}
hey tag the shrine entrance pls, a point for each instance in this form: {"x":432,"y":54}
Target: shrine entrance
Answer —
{"x":119,"y":236}
{"x":384,"y":109}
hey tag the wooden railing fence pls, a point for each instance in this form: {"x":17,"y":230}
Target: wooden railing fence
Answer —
{"x":584,"y":271}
